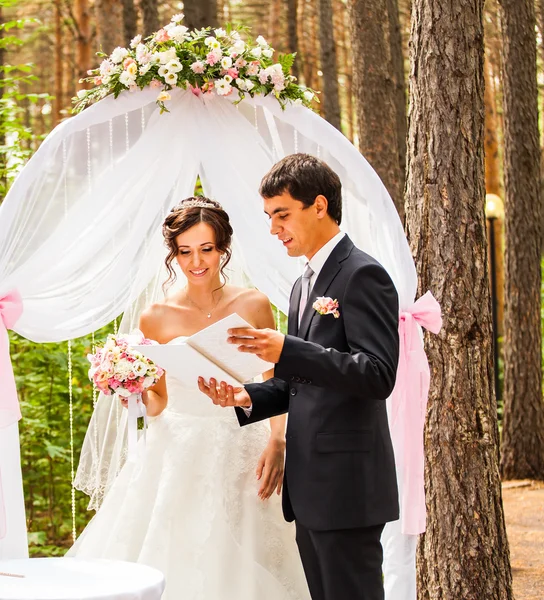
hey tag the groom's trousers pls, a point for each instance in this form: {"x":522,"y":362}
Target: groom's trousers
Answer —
{"x":342,"y":564}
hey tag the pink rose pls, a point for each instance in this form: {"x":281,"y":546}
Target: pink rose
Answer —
{"x":128,"y":61}
{"x":98,"y":80}
{"x":162,"y":36}
{"x":233,"y":73}
{"x":155,"y":83}
{"x":213,"y":57}
{"x":240,"y":63}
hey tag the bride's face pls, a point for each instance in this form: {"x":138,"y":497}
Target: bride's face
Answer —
{"x":197,"y":255}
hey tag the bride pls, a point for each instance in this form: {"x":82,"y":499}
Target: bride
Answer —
{"x":201,"y":507}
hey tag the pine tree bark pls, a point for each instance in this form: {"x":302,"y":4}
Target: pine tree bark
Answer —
{"x":59,"y":95}
{"x":330,"y":98}
{"x":399,"y":81}
{"x":292,"y":35}
{"x":109,"y":24}
{"x":150,"y":14}
{"x":129,"y":20}
{"x":200,"y":13}
{"x":82,"y":16}
{"x":375,"y":93}
{"x":523,"y":422}
{"x":464,"y":552}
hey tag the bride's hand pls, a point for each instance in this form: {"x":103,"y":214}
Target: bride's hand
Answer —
{"x":270,"y":468}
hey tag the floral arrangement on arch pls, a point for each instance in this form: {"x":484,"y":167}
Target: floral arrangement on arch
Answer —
{"x":204,"y":60}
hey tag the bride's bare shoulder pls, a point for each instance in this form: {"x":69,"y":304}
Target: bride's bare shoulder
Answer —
{"x":253,"y":306}
{"x":155,"y":317}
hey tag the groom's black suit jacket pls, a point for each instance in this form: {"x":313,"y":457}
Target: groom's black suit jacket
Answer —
{"x":333,"y":376}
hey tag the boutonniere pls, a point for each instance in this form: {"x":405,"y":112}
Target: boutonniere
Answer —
{"x":326,"y":306}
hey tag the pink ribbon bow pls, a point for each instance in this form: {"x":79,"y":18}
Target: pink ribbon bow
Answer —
{"x":408,"y":409}
{"x":11,"y":308}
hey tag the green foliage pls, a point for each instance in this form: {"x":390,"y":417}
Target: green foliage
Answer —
{"x":41,"y":373}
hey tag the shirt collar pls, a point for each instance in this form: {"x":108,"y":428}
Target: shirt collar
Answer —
{"x":319,"y":259}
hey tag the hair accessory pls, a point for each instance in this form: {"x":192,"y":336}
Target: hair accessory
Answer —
{"x":194,"y":203}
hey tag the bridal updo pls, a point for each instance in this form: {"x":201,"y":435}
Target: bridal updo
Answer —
{"x":188,"y":213}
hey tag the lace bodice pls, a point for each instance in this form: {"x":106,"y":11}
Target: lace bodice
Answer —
{"x":190,"y":401}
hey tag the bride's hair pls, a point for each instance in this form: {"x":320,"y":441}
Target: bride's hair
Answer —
{"x":188,"y":213}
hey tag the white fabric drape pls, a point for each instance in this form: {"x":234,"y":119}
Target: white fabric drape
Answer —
{"x":80,"y":230}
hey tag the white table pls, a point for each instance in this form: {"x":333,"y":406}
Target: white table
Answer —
{"x":77,"y":579}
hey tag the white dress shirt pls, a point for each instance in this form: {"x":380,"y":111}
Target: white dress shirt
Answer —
{"x":317,"y":262}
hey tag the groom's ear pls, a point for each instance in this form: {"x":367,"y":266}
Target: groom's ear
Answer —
{"x":321,"y":205}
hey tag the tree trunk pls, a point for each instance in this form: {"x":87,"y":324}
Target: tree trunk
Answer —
{"x":129,"y":20}
{"x":109,"y":24}
{"x":292,"y":36}
{"x":375,"y":93}
{"x":464,"y":552}
{"x":523,"y":424}
{"x":200,"y":13}
{"x":82,"y":14}
{"x":150,"y":14}
{"x":59,"y":97}
{"x":330,"y":99}
{"x":399,"y":81}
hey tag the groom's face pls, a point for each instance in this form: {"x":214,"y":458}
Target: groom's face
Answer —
{"x":292,"y":222}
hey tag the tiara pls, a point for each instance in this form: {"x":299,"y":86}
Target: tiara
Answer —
{"x":196,"y":204}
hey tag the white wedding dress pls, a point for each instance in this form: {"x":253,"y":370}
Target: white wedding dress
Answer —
{"x":191,"y":509}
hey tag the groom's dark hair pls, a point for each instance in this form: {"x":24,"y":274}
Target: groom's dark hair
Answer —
{"x":305,"y":177}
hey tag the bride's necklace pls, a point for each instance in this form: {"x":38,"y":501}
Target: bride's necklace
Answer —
{"x":205,"y":312}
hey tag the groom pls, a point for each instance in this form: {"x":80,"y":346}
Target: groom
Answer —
{"x":334,"y":371}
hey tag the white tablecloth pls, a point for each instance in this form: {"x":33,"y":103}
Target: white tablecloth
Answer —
{"x":76,"y":579}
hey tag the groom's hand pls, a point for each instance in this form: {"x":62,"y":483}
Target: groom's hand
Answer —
{"x":223,"y":394}
{"x":265,"y":343}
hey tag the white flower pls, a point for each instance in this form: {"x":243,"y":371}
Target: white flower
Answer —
{"x":249,"y":84}
{"x":239,"y":47}
{"x":241,"y":84}
{"x":261,"y":41}
{"x":198,"y":67}
{"x":226,"y":62}
{"x":143,"y":56}
{"x":144,"y":69}
{"x":164,"y":96}
{"x":308,"y":96}
{"x":223,"y":87}
{"x":297,"y":102}
{"x":148,"y":382}
{"x":127,"y":78}
{"x":209,"y":41}
{"x":174,"y":66}
{"x":234,"y":35}
{"x":227,"y":78}
{"x":106,"y":79}
{"x":135,"y":41}
{"x":81,"y":94}
{"x":163,"y":71}
{"x":171,"y":78}
{"x":253,"y":69}
{"x":220,"y":32}
{"x":256,"y":52}
{"x":178,"y":33}
{"x":280,"y":86}
{"x":263,"y":76}
{"x":118,"y":55}
{"x":268,"y":52}
{"x":167,"y":56}
{"x":177,"y":18}
{"x":106,"y":67}
{"x":139,"y":368}
{"x":132,"y":69}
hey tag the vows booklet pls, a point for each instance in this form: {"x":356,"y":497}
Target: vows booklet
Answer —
{"x":207,"y":354}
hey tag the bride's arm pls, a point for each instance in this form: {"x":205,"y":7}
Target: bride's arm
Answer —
{"x":271,"y":462}
{"x":155,"y":398}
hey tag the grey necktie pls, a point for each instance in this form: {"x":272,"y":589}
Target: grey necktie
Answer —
{"x":305,"y":291}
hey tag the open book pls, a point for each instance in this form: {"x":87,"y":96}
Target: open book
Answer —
{"x":208,"y":354}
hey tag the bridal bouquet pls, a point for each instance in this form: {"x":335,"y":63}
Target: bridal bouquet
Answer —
{"x":204,"y":60}
{"x":117,"y":369}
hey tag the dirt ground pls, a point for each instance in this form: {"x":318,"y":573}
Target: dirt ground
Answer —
{"x":524,"y":510}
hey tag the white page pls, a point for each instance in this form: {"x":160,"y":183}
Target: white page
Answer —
{"x":185,"y":364}
{"x":212,"y":342}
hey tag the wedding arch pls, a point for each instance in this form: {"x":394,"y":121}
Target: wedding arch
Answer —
{"x":81,"y":243}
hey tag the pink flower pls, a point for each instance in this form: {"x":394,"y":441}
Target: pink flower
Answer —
{"x":196,"y":90}
{"x":155,"y":83}
{"x":98,"y":80}
{"x":128,"y":61}
{"x":263,"y":76}
{"x":240,"y":63}
{"x":233,"y":73}
{"x":198,"y":67}
{"x":253,"y":68}
{"x":213,"y":57}
{"x":162,"y":36}
{"x":326,"y":306}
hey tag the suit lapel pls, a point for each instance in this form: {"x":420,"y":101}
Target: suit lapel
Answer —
{"x":292,"y":321}
{"x":329,"y":271}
